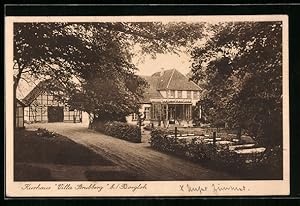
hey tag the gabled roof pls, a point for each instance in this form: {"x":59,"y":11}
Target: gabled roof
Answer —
{"x":164,"y":78}
{"x":151,"y":92}
{"x":39,"y":89}
{"x":20,"y":102}
{"x":34,"y":93}
{"x":174,"y":80}
{"x":168,"y":80}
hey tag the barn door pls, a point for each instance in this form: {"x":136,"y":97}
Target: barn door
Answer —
{"x":55,"y":114}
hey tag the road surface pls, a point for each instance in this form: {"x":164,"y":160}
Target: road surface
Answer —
{"x":137,"y":158}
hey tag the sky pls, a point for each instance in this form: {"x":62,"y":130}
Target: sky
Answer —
{"x":166,"y":61}
{"x":181,"y":61}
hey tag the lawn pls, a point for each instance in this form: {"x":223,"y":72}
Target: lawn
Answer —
{"x":45,"y":147}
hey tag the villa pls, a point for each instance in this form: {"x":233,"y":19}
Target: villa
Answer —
{"x":168,"y":100}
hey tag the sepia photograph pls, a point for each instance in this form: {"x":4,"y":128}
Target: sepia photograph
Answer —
{"x":147,"y":106}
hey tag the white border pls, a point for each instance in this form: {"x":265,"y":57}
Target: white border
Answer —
{"x":154,"y":188}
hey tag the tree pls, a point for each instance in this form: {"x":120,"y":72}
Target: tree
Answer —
{"x":241,"y":65}
{"x":110,"y":99}
{"x":94,"y":60}
{"x":42,"y":49}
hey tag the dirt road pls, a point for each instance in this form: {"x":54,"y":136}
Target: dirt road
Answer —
{"x":138,"y":158}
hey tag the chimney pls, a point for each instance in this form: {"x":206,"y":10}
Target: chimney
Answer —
{"x":162,"y":71}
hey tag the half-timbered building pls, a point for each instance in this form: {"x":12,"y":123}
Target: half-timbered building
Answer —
{"x":44,"y":105}
{"x":19,"y":114}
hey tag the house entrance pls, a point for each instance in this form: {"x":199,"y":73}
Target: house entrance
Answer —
{"x":176,"y":113}
{"x":55,"y":114}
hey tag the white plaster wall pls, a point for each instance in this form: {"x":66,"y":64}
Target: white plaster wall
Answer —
{"x":163,"y":93}
{"x":85,"y":119}
{"x":142,"y":109}
{"x":184,"y":94}
{"x":26,"y":113}
{"x":194,"y":101}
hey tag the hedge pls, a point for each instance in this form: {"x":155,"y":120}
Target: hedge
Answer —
{"x":219,"y":156}
{"x":120,"y":130}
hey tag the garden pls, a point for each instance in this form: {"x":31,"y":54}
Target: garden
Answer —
{"x":244,"y":158}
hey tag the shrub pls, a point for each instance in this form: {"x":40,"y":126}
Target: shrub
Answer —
{"x":120,"y":130}
{"x":272,"y":161}
{"x":194,"y":149}
{"x":44,"y":133}
{"x":148,"y":127}
{"x":268,"y":164}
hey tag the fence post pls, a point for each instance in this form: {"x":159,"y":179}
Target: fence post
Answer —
{"x":214,"y":138}
{"x":175,"y":132}
{"x":140,"y":120}
{"x":140,"y":129}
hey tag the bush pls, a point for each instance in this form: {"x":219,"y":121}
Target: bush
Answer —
{"x":148,"y":127}
{"x":120,"y":130}
{"x":194,"y":149}
{"x":272,"y":161}
{"x":45,"y":133}
{"x":268,"y":164}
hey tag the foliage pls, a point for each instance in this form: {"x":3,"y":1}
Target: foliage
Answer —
{"x":45,"y":133}
{"x":43,"y":49}
{"x":240,"y":69}
{"x":90,"y":59}
{"x":110,"y":99}
{"x":273,"y":159}
{"x":148,"y":127}
{"x":220,"y":156}
{"x":194,"y":149}
{"x":119,"y":129}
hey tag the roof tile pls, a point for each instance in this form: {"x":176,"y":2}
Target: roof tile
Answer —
{"x":168,"y":80}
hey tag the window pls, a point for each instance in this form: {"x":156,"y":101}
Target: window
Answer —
{"x":19,"y":116}
{"x":147,"y":113}
{"x":188,"y":94}
{"x":195,"y":95}
{"x":179,"y":94}
{"x":134,"y":117}
{"x":155,"y":110}
{"x":172,"y":93}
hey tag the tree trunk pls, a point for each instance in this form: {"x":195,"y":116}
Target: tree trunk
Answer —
{"x":16,"y":80}
{"x":14,"y":106}
{"x":91,"y":119}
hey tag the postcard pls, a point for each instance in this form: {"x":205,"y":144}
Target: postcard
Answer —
{"x":146,"y":106}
